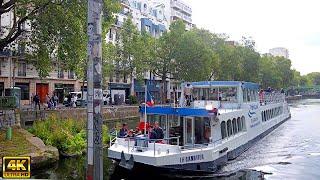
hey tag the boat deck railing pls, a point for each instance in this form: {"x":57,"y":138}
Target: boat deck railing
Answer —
{"x":272,"y":98}
{"x":144,"y":144}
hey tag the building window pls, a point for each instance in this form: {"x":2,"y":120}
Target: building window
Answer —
{"x":70,"y":75}
{"x":60,"y":73}
{"x":117,"y":77}
{"x":147,"y":28}
{"x":24,"y":90}
{"x":1,"y":62}
{"x":22,"y":69}
{"x":125,"y":79}
{"x":1,"y":89}
{"x":110,"y":34}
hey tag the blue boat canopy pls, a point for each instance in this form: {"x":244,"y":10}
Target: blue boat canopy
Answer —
{"x":177,"y":111}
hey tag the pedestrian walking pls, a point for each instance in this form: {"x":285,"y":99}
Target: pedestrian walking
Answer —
{"x":36,"y":100}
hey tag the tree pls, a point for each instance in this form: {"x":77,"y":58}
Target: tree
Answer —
{"x":164,"y":64}
{"x":58,"y":35}
{"x":314,"y":78}
{"x":283,"y":67}
{"x":268,"y":74}
{"x":249,"y":63}
{"x":135,"y":50}
{"x":194,"y":58}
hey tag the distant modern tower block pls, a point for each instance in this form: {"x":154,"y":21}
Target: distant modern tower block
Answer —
{"x":281,"y":52}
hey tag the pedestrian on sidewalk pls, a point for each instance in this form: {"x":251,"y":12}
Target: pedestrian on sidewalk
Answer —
{"x":36,"y":100}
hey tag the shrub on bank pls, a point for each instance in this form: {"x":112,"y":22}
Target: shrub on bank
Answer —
{"x":69,"y":135}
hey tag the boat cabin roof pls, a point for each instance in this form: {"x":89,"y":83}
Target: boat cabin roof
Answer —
{"x":205,"y":84}
{"x":181,"y":111}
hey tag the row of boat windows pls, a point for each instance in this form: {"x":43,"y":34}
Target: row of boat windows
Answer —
{"x":232,"y":127}
{"x":271,"y":113}
{"x":250,"y":95}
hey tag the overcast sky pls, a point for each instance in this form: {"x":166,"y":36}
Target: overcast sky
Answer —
{"x":293,"y":24}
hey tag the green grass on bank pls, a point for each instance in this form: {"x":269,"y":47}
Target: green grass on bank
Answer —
{"x":69,"y":135}
{"x":17,"y":146}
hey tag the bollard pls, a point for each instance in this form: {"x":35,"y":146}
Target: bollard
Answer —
{"x":9,"y":134}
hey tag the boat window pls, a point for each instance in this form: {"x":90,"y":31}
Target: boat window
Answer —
{"x":223,"y":129}
{"x":175,"y":128}
{"x":262,"y":116}
{"x":243,"y":123}
{"x":228,"y":94}
{"x":234,"y":126}
{"x":245,"y":95}
{"x":200,"y":93}
{"x":213,"y":95}
{"x":202,"y":130}
{"x":196,"y":93}
{"x":229,"y":127}
{"x":239,"y":124}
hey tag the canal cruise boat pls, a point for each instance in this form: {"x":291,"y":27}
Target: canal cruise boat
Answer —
{"x":223,"y":119}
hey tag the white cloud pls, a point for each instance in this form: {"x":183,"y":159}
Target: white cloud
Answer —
{"x":292,"y":24}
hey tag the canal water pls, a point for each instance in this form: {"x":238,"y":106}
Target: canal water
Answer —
{"x":292,"y":151}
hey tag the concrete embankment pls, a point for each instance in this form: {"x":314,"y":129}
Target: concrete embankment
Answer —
{"x":108,"y":114}
{"x":298,"y":97}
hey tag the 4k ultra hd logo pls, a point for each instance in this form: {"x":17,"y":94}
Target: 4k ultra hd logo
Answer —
{"x":16,"y":167}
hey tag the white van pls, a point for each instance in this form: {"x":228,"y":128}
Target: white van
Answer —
{"x":78,"y":98}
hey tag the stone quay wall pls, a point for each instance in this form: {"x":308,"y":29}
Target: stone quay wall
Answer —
{"x":108,"y":113}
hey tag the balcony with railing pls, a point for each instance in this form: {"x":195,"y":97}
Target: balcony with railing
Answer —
{"x":181,"y":6}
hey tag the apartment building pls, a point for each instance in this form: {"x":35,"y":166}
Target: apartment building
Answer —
{"x":152,"y":16}
{"x":180,"y":10}
{"x":16,"y":72}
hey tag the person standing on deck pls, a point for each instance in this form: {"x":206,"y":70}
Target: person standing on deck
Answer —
{"x":187,"y":93}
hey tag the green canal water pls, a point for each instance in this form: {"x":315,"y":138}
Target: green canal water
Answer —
{"x":292,"y":151}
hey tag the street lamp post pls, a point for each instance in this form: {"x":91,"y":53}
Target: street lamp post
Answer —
{"x":94,"y":168}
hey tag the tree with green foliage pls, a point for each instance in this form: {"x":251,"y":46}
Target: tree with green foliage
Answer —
{"x":134,"y":51}
{"x":164,"y":64}
{"x":59,"y":32}
{"x":194,"y":58}
{"x":314,"y":78}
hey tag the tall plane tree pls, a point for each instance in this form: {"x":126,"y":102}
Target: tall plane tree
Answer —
{"x":164,"y":65}
{"x":57,"y":34}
